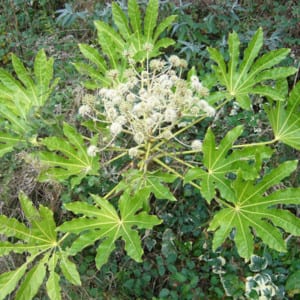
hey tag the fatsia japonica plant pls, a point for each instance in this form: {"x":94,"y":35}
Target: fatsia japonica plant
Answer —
{"x":156,"y":118}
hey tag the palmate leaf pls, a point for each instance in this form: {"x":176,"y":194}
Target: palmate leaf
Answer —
{"x":130,"y":36}
{"x":101,"y":221}
{"x":37,"y":239}
{"x":21,"y":96}
{"x":284,"y":119}
{"x":34,"y":89}
{"x":73,"y":159}
{"x":218,"y":163}
{"x":247,"y":77}
{"x":251,"y":210}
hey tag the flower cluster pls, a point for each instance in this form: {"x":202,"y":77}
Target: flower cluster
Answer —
{"x":152,"y":102}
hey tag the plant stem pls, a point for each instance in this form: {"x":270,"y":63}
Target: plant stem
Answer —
{"x":145,"y":163}
{"x":177,"y":159}
{"x":110,"y":192}
{"x":255,"y":144}
{"x":180,"y":131}
{"x":115,"y":158}
{"x":64,"y":237}
{"x":174,"y":172}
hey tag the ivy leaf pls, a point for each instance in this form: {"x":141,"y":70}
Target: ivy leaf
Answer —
{"x":101,"y":221}
{"x":72,"y":160}
{"x":251,"y":210}
{"x":284,"y":119}
{"x":218,"y":163}
{"x":154,"y":182}
{"x":247,"y":77}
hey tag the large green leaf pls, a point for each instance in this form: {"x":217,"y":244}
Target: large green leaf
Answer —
{"x":35,"y":89}
{"x":72,"y":159}
{"x":125,"y":42}
{"x":219,"y":163}
{"x":284,"y":119}
{"x":20,"y":97}
{"x":37,"y":239}
{"x":101,"y":221}
{"x":252,"y":210}
{"x":247,"y":77}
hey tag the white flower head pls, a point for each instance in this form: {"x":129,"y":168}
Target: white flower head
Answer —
{"x":115,"y":128}
{"x":138,"y":109}
{"x":203,"y":104}
{"x":92,"y":151}
{"x":111,"y":113}
{"x":210,"y":111}
{"x":88,"y":99}
{"x":130,"y":98}
{"x":170,"y":115}
{"x":157,"y":64}
{"x":203,"y":91}
{"x":149,"y":122}
{"x":133,"y":152}
{"x":183,"y":63}
{"x":84,"y":110}
{"x":139,"y":138}
{"x":175,"y":60}
{"x":196,"y":145}
{"x":121,"y":120}
{"x":167,"y":134}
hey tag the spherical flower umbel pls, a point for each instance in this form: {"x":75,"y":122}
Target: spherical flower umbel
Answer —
{"x":196,"y":145}
{"x":210,"y":111}
{"x":139,"y":138}
{"x":115,"y":128}
{"x":133,"y":152}
{"x":84,"y":110}
{"x":170,"y":115}
{"x":150,"y":102}
{"x":92,"y":151}
{"x":174,"y":60}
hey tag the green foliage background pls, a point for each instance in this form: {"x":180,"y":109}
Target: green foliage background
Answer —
{"x":178,"y":261}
